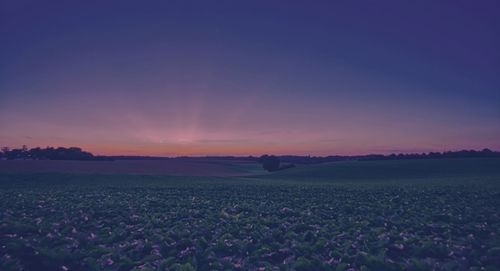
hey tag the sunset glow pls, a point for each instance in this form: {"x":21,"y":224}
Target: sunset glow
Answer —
{"x":299,"y":79}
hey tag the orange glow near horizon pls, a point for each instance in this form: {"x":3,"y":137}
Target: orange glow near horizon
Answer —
{"x":191,"y":149}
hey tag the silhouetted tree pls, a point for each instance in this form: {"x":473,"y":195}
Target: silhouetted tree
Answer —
{"x":269,"y":162}
{"x":15,"y":154}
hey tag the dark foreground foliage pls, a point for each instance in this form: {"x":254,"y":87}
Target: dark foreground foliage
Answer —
{"x":63,"y":222}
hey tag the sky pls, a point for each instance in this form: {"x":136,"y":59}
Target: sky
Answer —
{"x":173,"y":78}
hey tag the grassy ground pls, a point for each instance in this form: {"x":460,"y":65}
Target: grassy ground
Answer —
{"x":374,"y":215}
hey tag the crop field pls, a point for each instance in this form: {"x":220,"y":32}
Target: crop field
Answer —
{"x":373,"y":215}
{"x":176,"y":167}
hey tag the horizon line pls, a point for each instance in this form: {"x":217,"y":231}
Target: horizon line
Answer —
{"x":258,"y":155}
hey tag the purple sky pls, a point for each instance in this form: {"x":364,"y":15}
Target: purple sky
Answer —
{"x":239,"y":78}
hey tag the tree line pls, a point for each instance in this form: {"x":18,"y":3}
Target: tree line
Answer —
{"x":269,"y":162}
{"x":49,"y":153}
{"x":430,"y":155}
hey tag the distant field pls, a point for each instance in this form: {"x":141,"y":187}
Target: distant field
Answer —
{"x":372,"y":215}
{"x":209,"y":167}
{"x":393,"y":170}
